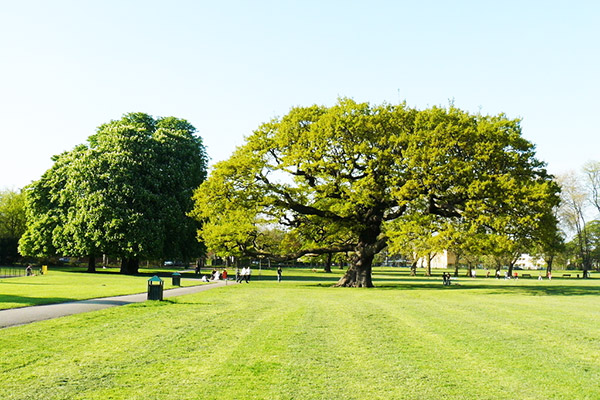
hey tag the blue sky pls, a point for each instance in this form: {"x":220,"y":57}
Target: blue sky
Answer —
{"x":227,"y":66}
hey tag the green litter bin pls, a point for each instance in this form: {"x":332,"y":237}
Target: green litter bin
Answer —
{"x":155,"y":288}
{"x":176,"y":279}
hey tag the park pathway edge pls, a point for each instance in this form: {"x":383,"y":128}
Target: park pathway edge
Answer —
{"x":26,"y":315}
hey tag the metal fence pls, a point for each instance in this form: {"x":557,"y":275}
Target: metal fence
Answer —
{"x":9,"y":272}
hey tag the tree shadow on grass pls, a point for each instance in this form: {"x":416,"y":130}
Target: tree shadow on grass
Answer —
{"x":26,"y":283}
{"x":296,"y":278}
{"x":26,"y":301}
{"x":549,"y":289}
{"x":143,"y":272}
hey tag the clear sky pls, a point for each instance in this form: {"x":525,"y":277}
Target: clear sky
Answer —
{"x":227,"y":66}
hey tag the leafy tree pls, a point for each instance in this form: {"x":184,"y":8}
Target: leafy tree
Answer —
{"x":126,"y":194}
{"x":12,"y":214}
{"x":46,"y":206}
{"x":549,"y":241}
{"x":465,"y":244}
{"x":12,"y":223}
{"x":591,"y":171}
{"x":573,"y":214}
{"x":506,"y":250}
{"x":416,"y":235}
{"x":591,"y":236}
{"x":354,"y":168}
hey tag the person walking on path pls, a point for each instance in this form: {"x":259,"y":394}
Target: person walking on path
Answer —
{"x":242,"y":275}
{"x":279,"y":272}
{"x":248,"y":274}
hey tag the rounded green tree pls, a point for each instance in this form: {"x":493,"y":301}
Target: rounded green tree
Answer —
{"x":336,"y":179}
{"x":125,"y":194}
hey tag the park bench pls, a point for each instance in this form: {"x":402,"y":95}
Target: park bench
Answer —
{"x":566,"y":275}
{"x":526,"y":276}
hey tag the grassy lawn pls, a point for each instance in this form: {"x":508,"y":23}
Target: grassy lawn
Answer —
{"x":410,"y":338}
{"x":61,"y":285}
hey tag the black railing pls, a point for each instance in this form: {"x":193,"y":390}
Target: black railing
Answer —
{"x":10,"y":272}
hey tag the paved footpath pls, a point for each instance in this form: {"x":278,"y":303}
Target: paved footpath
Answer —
{"x":26,"y":315}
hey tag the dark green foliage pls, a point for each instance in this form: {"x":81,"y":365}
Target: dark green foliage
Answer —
{"x":126,"y":194}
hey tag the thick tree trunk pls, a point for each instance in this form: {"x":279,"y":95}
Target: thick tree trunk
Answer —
{"x":369,"y":244}
{"x":428,"y":264}
{"x":91,"y":264}
{"x":549,"y":262}
{"x":413,"y":268}
{"x":510,"y":269}
{"x":328,"y":263}
{"x":359,"y":273}
{"x":456,"y":266}
{"x":130,"y":266}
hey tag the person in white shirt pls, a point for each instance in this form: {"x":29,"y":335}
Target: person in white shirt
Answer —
{"x":242,"y":275}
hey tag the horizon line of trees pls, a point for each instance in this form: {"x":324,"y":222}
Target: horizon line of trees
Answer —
{"x":338,"y":184}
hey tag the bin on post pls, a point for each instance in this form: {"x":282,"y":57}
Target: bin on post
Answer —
{"x":176,"y":279}
{"x":155,"y":288}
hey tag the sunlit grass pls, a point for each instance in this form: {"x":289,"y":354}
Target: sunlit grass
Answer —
{"x":410,"y":338}
{"x":60,"y":286}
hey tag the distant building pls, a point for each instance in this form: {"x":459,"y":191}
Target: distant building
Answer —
{"x":447,"y":259}
{"x":526,"y":261}
{"x":441,"y":259}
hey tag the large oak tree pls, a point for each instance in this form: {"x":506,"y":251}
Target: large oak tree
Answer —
{"x":351,"y":170}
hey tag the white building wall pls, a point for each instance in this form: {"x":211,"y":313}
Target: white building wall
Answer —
{"x":441,"y":259}
{"x":526,"y":261}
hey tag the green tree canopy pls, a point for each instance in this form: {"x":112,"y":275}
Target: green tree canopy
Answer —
{"x":350,"y":170}
{"x":12,"y":214}
{"x":125,"y":194}
{"x":12,"y":224}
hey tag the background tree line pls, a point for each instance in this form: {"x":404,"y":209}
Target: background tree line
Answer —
{"x":338,"y":184}
{"x":579,"y":210}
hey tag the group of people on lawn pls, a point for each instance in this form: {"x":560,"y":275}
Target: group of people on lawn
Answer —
{"x":240,"y":276}
{"x":214,"y":275}
{"x":243,"y":275}
{"x":447,"y":278}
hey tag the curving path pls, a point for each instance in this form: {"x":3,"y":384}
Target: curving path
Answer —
{"x":26,"y":315}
